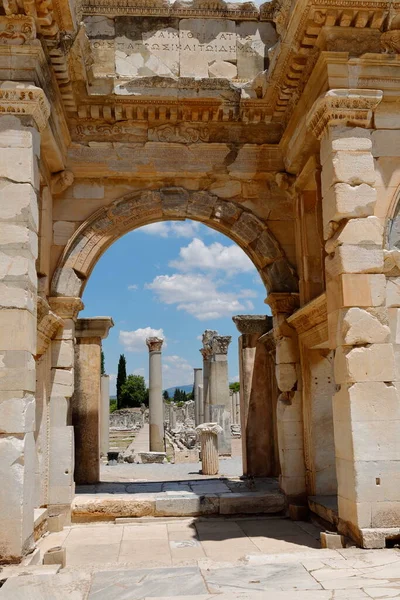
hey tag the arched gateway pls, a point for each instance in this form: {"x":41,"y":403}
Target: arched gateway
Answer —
{"x":277,"y":125}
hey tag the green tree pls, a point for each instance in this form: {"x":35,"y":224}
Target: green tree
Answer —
{"x":235,"y":387}
{"x":133,"y":392}
{"x":165,"y":395}
{"x":103,"y":369}
{"x":121,"y":378}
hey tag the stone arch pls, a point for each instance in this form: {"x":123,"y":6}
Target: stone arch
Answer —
{"x":136,"y":209}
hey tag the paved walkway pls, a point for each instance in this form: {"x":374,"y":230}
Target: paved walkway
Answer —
{"x":239,"y":559}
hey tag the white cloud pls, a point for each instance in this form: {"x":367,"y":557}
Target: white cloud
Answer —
{"x":172,"y":229}
{"x":176,"y":371}
{"x":216,"y":256}
{"x":198,"y":295}
{"x":133,"y":287}
{"x":135,"y":341}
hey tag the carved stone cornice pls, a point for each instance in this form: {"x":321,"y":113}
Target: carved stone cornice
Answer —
{"x":285,"y":303}
{"x":341,"y":106}
{"x":47,"y":325}
{"x":390,"y":41}
{"x":94,"y":327}
{"x":66,"y":307}
{"x":313,"y":313}
{"x":23,"y":99}
{"x":249,"y":324}
{"x":269,"y":340}
{"x":154,"y":344}
{"x":220,"y":344}
{"x":61,"y":181}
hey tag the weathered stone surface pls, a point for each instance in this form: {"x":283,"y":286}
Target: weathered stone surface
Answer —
{"x":251,"y":503}
{"x":105,"y":509}
{"x":152,"y":457}
{"x":361,"y":327}
{"x":368,"y":363}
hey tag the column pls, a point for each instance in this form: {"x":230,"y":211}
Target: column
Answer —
{"x":24,"y":113}
{"x":86,"y":401}
{"x":289,"y":412}
{"x":365,"y":407}
{"x":237,"y":408}
{"x":198,"y":410}
{"x":256,"y":406}
{"x":200,"y":393}
{"x":206,"y":354}
{"x":220,"y":410}
{"x":61,"y":431}
{"x":156,"y":416}
{"x":105,"y":414}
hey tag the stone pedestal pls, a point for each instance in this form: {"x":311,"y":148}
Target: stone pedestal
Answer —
{"x":20,"y":184}
{"x":156,"y":409}
{"x":208,"y":434}
{"x":257,"y":405}
{"x":199,"y":410}
{"x":220,"y":410}
{"x":105,"y":414}
{"x":86,"y":398}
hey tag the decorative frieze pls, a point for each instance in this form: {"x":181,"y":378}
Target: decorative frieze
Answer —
{"x":25,"y":100}
{"x":348,"y":107}
{"x":16,"y":30}
{"x":283,"y":303}
{"x":47,"y":324}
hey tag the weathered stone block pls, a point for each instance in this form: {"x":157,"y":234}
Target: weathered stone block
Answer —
{"x":62,"y":232}
{"x":18,"y":371}
{"x":393,"y":292}
{"x":24,"y":205}
{"x":17,"y":330}
{"x":19,"y":165}
{"x":14,"y":134}
{"x":17,"y":412}
{"x":354,"y":259}
{"x":369,"y":363}
{"x":361,"y":327}
{"x":62,"y":354}
{"x":226,"y":189}
{"x":349,"y":167}
{"x":343,"y":201}
{"x":251,"y":503}
{"x":287,"y":350}
{"x":345,"y":139}
{"x":333,"y":541}
{"x":61,"y":471}
{"x":366,"y":232}
{"x":18,"y":239}
{"x":357,"y":513}
{"x":363,"y":289}
{"x":62,"y":382}
{"x":253,"y":40}
{"x":90,"y":507}
{"x":16,"y":297}
{"x":385,"y":143}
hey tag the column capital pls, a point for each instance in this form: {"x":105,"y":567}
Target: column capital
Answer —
{"x":351,"y":107}
{"x":253,"y":323}
{"x":154,"y":344}
{"x":285,"y":303}
{"x":206,"y":353}
{"x":66,"y":307}
{"x":47,"y":324}
{"x":95,"y":327}
{"x":208,"y":336}
{"x":220,"y":343}
{"x":24,"y":99}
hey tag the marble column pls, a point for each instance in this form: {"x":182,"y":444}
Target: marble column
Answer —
{"x":237,"y":407}
{"x":156,"y":412}
{"x":86,"y":400}
{"x":198,"y":410}
{"x":105,"y":415}
{"x":23,"y":116}
{"x":256,"y":407}
{"x":220,"y":409}
{"x":208,"y":434}
{"x":206,"y":354}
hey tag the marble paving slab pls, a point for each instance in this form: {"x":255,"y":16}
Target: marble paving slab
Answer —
{"x":147,"y":583}
{"x":286,"y":576}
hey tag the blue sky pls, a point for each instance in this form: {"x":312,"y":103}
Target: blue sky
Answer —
{"x":174,"y":279}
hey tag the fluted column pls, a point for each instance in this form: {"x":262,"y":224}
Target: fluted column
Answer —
{"x":198,"y":409}
{"x":156,"y":409}
{"x":208,"y":435}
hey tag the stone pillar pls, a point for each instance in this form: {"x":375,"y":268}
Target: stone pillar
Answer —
{"x":105,"y":414}
{"x":24,"y":113}
{"x":86,"y":401}
{"x":200,"y":393}
{"x":289,"y":413}
{"x":256,"y":407}
{"x":172,"y":417}
{"x":198,"y":410}
{"x":220,"y":409}
{"x":206,"y":353}
{"x":156,"y":416}
{"x":208,"y":434}
{"x":366,"y":422}
{"x":237,"y":408}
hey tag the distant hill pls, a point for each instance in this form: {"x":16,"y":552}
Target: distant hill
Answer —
{"x":186,"y":388}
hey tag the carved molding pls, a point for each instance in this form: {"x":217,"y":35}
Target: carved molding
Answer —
{"x":182,"y":133}
{"x":95,"y":327}
{"x":16,"y":30}
{"x":390,"y":41}
{"x":346,"y":107}
{"x":313,"y":313}
{"x":154,"y":344}
{"x":66,"y":307}
{"x":61,"y":181}
{"x":206,"y":353}
{"x":220,"y":344}
{"x":25,"y":100}
{"x":283,"y":303}
{"x":47,"y":325}
{"x":249,"y":324}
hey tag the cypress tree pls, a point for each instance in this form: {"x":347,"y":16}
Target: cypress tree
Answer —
{"x":121,"y":378}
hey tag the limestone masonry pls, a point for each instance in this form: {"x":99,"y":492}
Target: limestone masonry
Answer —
{"x":278,"y":126}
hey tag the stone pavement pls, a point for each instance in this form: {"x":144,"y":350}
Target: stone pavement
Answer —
{"x":205,"y":559}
